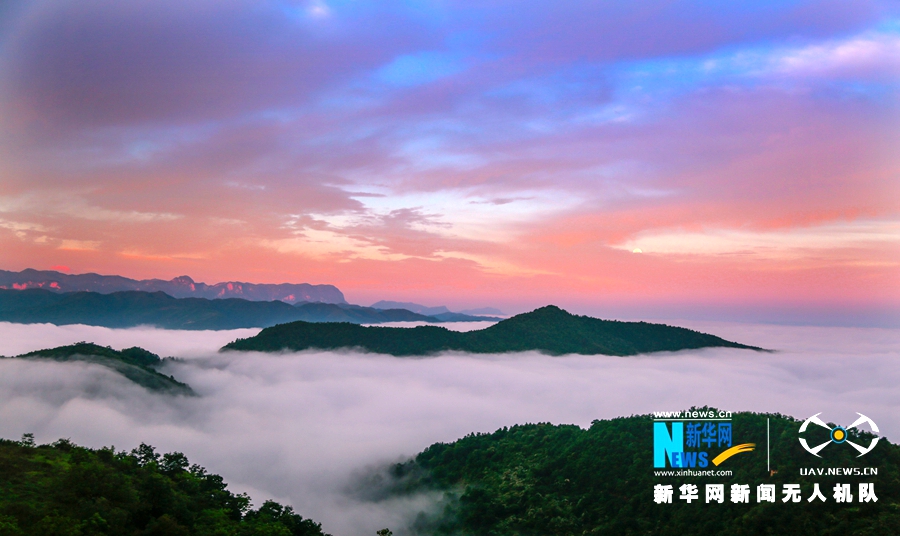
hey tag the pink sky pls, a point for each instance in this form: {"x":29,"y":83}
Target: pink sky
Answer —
{"x":505,"y":154}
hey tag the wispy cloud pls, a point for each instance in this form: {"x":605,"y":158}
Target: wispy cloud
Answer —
{"x":452,"y":142}
{"x":79,"y":245}
{"x":868,"y":56}
{"x":789,"y":243}
{"x":74,"y":205}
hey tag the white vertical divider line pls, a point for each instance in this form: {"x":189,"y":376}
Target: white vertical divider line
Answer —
{"x":768,"y":468}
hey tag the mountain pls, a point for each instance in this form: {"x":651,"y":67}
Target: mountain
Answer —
{"x":136,"y":364}
{"x":414,"y":307}
{"x":545,"y":479}
{"x":180,"y":287}
{"x":356,"y":314}
{"x":440,"y":312}
{"x":63,"y":489}
{"x":461,"y":317}
{"x":136,"y":308}
{"x":548,"y":329}
{"x":490,"y":311}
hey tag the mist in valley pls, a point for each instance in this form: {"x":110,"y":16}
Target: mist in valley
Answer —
{"x":306,"y":429}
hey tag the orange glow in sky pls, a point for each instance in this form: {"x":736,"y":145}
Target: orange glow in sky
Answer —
{"x":501,"y":155}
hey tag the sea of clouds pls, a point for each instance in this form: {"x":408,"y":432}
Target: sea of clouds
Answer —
{"x":302,"y":428}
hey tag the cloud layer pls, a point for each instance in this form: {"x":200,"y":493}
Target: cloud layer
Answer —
{"x":302,"y":428}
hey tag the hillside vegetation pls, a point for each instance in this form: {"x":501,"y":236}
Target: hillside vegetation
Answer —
{"x":541,"y":479}
{"x":136,"y":364}
{"x":66,"y":490}
{"x":548,"y":329}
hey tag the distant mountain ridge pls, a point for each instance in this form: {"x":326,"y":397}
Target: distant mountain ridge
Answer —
{"x":136,"y":308}
{"x":409,"y":306}
{"x":549,"y":329}
{"x":180,"y":287}
{"x":441,"y":312}
{"x":490,"y":311}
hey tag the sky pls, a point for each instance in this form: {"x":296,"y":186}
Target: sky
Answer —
{"x":490,"y":153}
{"x":309,"y":429}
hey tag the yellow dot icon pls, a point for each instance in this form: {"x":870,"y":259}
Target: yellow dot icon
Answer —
{"x":839,"y":434}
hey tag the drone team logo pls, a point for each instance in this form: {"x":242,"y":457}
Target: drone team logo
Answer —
{"x":838,"y":435}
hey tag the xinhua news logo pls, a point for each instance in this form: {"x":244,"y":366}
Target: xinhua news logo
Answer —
{"x":694,"y":440}
{"x":838,"y":435}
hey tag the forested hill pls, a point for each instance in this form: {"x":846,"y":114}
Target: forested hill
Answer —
{"x":136,"y":364}
{"x":66,"y":490}
{"x":548,"y":329}
{"x":541,"y":479}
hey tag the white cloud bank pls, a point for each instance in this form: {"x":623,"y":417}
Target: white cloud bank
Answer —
{"x":17,"y":339}
{"x":298,"y":427}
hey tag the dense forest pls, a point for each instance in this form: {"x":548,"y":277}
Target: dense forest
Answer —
{"x":526,"y":480}
{"x":66,"y":490}
{"x":541,"y":479}
{"x":548,"y":329}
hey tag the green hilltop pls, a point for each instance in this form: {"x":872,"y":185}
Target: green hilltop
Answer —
{"x":66,"y":490}
{"x":136,"y":364}
{"x":549,"y":329}
{"x":542,"y":479}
